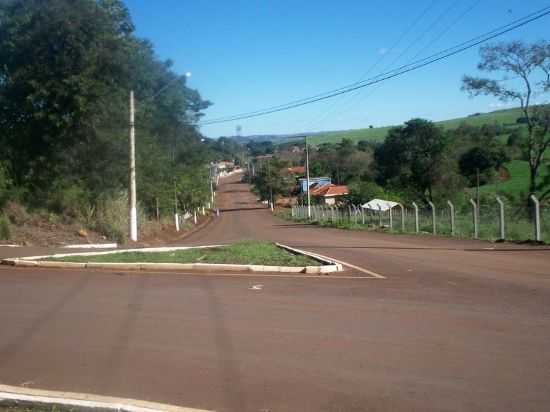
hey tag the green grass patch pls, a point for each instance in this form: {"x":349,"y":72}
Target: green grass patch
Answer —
{"x":241,"y":253}
{"x":518,"y":184}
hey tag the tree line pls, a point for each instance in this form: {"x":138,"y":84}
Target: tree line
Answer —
{"x":67,"y":68}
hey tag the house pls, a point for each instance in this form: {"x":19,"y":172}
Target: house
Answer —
{"x":328,"y":193}
{"x":312,"y":181}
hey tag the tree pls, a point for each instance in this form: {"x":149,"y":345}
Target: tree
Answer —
{"x":412,"y":156}
{"x":272,"y":178}
{"x":480,"y":160}
{"x":530,"y":64}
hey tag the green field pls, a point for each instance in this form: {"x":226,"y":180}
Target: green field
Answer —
{"x":378,"y":134}
{"x":518,"y":183}
{"x":241,"y":253}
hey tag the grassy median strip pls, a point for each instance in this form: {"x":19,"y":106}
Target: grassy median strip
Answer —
{"x":242,"y":253}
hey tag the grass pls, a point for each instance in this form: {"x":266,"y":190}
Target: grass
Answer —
{"x":43,"y":408}
{"x":242,"y":253}
{"x":518,"y":184}
{"x":506,"y":117}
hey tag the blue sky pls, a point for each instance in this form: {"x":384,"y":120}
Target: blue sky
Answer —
{"x":247,"y":55}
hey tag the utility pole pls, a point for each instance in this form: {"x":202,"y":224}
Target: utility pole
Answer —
{"x":176,"y":217}
{"x":307,"y":182}
{"x":132,"y":195}
{"x":270,"y":184}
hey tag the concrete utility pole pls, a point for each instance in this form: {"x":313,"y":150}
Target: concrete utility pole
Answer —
{"x":307,"y":182}
{"x":132,"y":195}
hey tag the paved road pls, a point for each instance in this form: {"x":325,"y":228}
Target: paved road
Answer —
{"x":452,"y":327}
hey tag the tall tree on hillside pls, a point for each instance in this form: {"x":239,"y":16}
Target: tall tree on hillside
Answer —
{"x":412,"y":156}
{"x":530,"y":63}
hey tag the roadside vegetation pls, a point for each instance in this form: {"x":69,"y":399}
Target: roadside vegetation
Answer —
{"x":242,"y":253}
{"x":67,"y":70}
{"x":44,"y":408}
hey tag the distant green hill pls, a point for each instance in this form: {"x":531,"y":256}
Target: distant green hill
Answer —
{"x":378,"y":134}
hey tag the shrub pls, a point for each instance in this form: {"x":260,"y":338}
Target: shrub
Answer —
{"x":5,"y":233}
{"x":69,"y":201}
{"x":16,"y":212}
{"x":111,"y":217}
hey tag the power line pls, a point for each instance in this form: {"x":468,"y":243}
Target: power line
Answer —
{"x":357,"y":102}
{"x":356,"y":97}
{"x":476,"y":41}
{"x":381,"y":58}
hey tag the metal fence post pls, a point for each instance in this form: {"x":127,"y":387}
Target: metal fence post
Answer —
{"x":434,"y":229}
{"x":501,"y":218}
{"x":379,"y":216}
{"x":452,"y":216}
{"x":362,"y":215}
{"x":416,"y":217}
{"x":391,"y":218}
{"x":402,"y":217}
{"x":537,"y":217}
{"x":474,"y":212}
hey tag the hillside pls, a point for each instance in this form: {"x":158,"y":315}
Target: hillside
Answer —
{"x":504,"y":117}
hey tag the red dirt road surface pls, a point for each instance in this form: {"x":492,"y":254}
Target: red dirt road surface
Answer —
{"x":452,"y":325}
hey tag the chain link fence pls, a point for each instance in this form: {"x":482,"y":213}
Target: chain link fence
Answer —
{"x":498,"y":220}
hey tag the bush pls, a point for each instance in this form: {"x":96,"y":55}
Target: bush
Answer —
{"x":69,"y":201}
{"x":16,"y":212}
{"x":5,"y":233}
{"x":111,"y":217}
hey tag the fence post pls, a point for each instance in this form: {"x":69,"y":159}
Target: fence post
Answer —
{"x":271,"y":206}
{"x":474,"y":212}
{"x":217,"y":212}
{"x":402,"y":217}
{"x":537,"y":217}
{"x":195,"y":216}
{"x":434,"y":229}
{"x":379,"y":216}
{"x":416,"y":226}
{"x":362,"y":215}
{"x":501,"y":218}
{"x":292,"y":211}
{"x":452,"y":215}
{"x":177,"y":221}
{"x":391,"y":218}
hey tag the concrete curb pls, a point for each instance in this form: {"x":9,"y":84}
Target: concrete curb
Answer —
{"x":10,"y":245}
{"x":330,"y":265}
{"x":17,"y":396}
{"x":36,"y":261}
{"x":92,"y":246}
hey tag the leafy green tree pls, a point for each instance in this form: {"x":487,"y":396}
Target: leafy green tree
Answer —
{"x":273,"y":178}
{"x":530,"y":63}
{"x":480,"y":160}
{"x":67,"y":69}
{"x":412,"y":157}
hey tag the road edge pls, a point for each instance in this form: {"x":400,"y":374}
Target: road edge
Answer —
{"x":17,"y":396}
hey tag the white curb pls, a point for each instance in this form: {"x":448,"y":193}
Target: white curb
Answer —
{"x":10,"y":245}
{"x":328,"y":266}
{"x":92,"y":246}
{"x":11,"y":395}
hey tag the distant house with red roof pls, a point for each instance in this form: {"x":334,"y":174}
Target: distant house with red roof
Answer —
{"x":328,"y":192}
